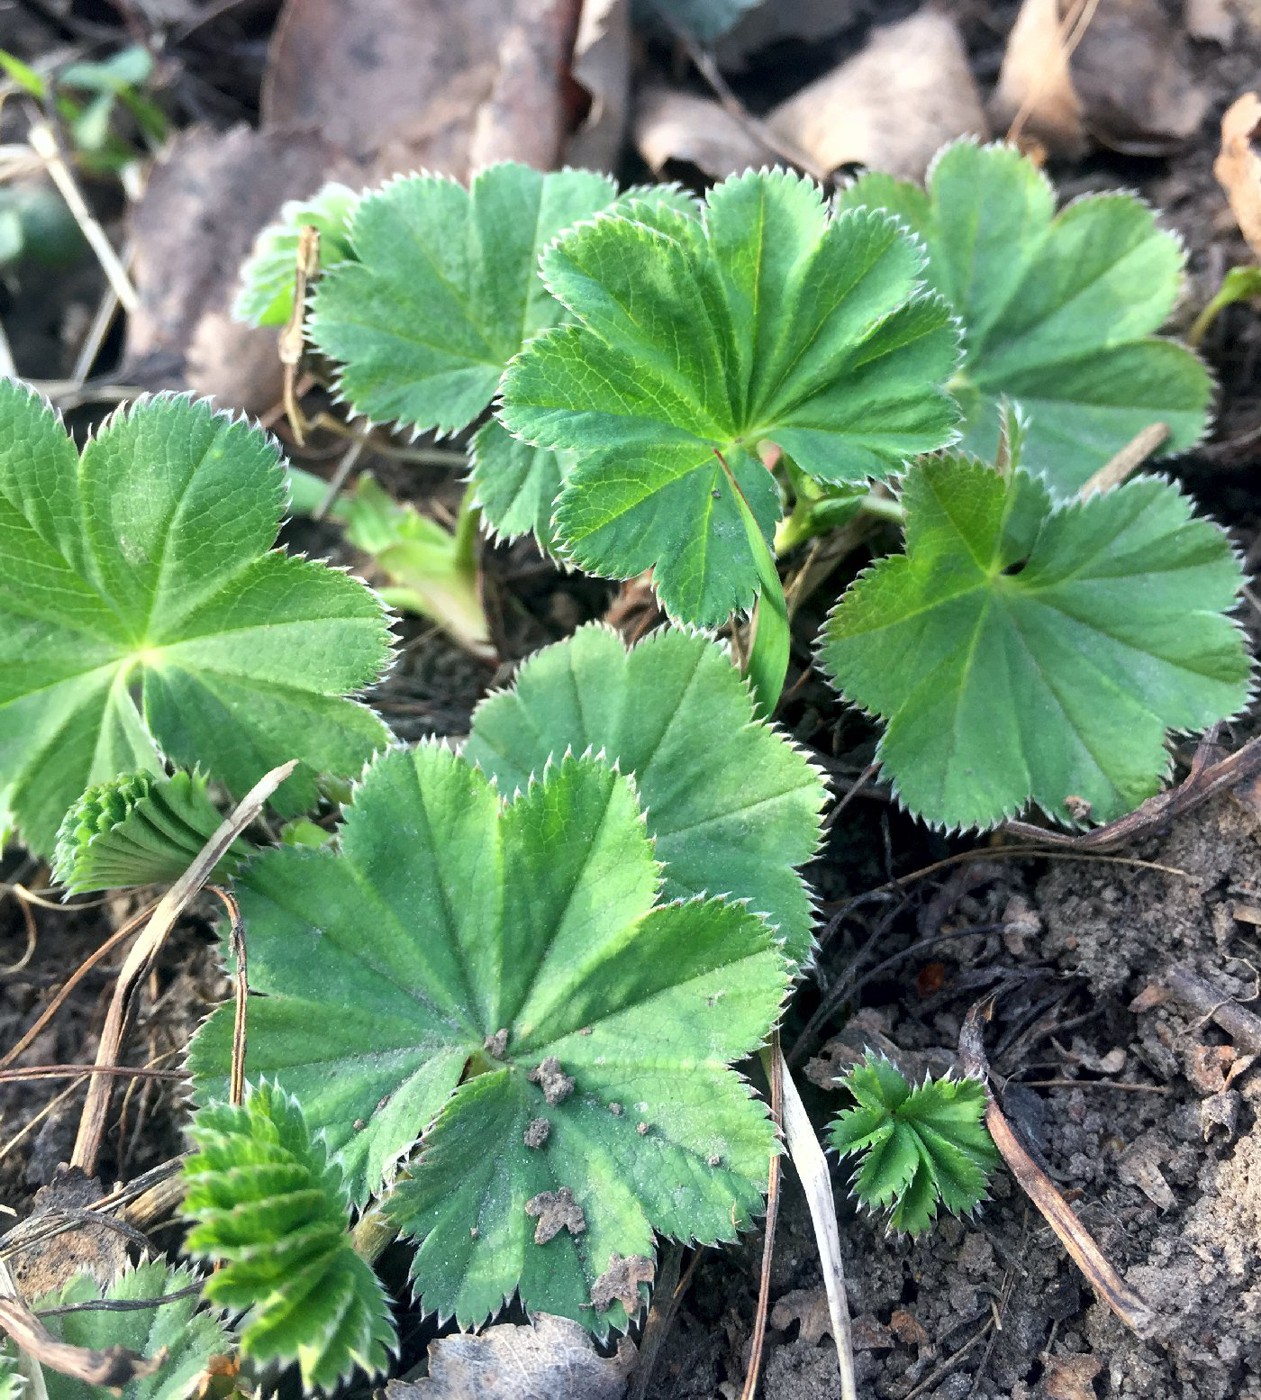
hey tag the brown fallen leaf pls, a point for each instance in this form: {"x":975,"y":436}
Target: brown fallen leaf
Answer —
{"x":892,"y":106}
{"x":1238,"y":168}
{"x":673,"y":126}
{"x":600,"y":65}
{"x":1070,"y":1377}
{"x":43,"y":1259}
{"x":551,"y":1359}
{"x":807,"y":1306}
{"x":1210,"y":21}
{"x":1111,"y":71}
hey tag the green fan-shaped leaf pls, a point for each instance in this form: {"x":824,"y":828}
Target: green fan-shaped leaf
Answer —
{"x":1058,"y":309}
{"x":1024,"y":651}
{"x":271,"y":1210}
{"x":138,"y":829}
{"x":189,"y":1337}
{"x":500,"y":966}
{"x":270,"y":273}
{"x":12,"y":1382}
{"x":700,"y":336}
{"x":441,"y":291}
{"x":144,"y":612}
{"x":919,"y":1147}
{"x":732,"y":808}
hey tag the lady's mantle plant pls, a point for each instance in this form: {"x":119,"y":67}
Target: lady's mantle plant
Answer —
{"x":145,"y":613}
{"x":1022,"y":651}
{"x":1058,"y":310}
{"x":700,"y":338}
{"x":498,"y":969}
{"x":918,"y":1147}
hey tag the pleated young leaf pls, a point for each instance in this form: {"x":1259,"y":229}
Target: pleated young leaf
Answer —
{"x":189,"y":1337}
{"x":144,"y":613}
{"x":499,"y":966}
{"x":699,"y":337}
{"x":271,"y":1211}
{"x":1023,"y":651}
{"x":138,"y":829}
{"x":919,"y":1147}
{"x":731,"y":806}
{"x":1058,"y":310}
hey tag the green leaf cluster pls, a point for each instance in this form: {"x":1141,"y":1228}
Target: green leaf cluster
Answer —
{"x":1058,"y":310}
{"x":498,"y":974}
{"x":1027,"y":651}
{"x":189,"y":1337}
{"x":270,"y":1210}
{"x":145,"y":613}
{"x":700,"y":337}
{"x":920,"y":1147}
{"x":138,"y":829}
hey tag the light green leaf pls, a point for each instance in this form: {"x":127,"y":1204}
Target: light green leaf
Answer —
{"x":516,"y":485}
{"x":1023,"y":651}
{"x":271,"y":1210}
{"x":144,"y":610}
{"x":138,"y":829}
{"x":919,"y":1147}
{"x":501,"y":967}
{"x":700,"y":337}
{"x":444,"y":289}
{"x":269,"y":275}
{"x":1058,"y":310}
{"x":441,"y":291}
{"x":13,"y":1383}
{"x":732,"y":808}
{"x":190,"y":1337}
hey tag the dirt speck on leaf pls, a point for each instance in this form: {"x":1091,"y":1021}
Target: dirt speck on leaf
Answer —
{"x":554,"y":1082}
{"x":555,"y":1211}
{"x":619,"y":1283}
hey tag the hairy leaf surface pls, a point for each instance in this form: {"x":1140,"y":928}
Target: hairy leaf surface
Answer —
{"x":190,"y":1337}
{"x":1058,"y":309}
{"x":145,"y":611}
{"x":732,"y":808}
{"x":442,"y":290}
{"x":272,"y":1212}
{"x":920,"y":1147}
{"x":1023,"y":651}
{"x":700,"y":337}
{"x":500,"y":967}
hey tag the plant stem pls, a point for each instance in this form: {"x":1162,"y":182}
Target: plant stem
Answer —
{"x":468,"y":524}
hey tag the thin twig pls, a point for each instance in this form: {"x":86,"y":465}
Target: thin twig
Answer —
{"x":44,"y":143}
{"x":772,"y":1219}
{"x":1127,"y":461}
{"x":236,"y":935}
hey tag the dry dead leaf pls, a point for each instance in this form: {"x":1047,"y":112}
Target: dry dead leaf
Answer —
{"x":552,"y":1359}
{"x":1070,"y":1377}
{"x":1035,"y":83}
{"x":809,"y":1307}
{"x":1238,"y":169}
{"x":892,"y":106}
{"x":1210,"y":21}
{"x":677,"y":126}
{"x":600,"y":65}
{"x":1125,"y":84}
{"x":204,"y":203}
{"x":51,"y":1260}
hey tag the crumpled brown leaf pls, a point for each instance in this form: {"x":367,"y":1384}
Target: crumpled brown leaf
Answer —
{"x":50,"y":1260}
{"x":552,"y":1359}
{"x":677,"y":126}
{"x":1122,"y":80}
{"x":1238,"y":167}
{"x":892,"y":106}
{"x":600,"y":65}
